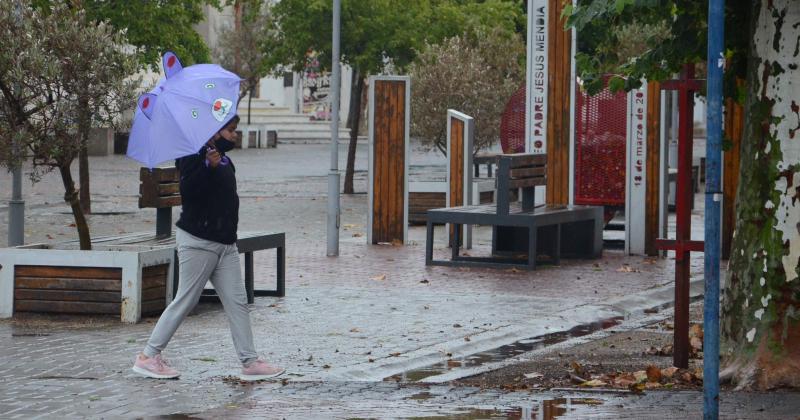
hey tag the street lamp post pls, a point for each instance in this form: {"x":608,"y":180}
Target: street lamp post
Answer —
{"x":16,"y":207}
{"x":333,"y":175}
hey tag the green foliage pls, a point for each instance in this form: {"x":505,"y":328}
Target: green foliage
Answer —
{"x":378,"y":33}
{"x":153,"y":27}
{"x":67,"y":70}
{"x":475,"y":77}
{"x":650,"y":39}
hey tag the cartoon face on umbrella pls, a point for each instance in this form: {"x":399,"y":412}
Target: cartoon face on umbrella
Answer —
{"x":182,"y":112}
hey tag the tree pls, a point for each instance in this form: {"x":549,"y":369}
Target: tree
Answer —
{"x":474,"y":76}
{"x":760,"y":325}
{"x":239,"y":47}
{"x":152,"y":27}
{"x":66,"y":73}
{"x":374,"y":34}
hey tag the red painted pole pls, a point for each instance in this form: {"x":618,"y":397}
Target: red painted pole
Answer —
{"x":683,"y":204}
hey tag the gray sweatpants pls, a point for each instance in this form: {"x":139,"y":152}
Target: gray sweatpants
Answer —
{"x":201,"y":260}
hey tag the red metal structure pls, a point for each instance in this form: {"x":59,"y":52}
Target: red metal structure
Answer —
{"x":512,"y":124}
{"x":600,"y":143}
{"x":683,"y":243}
{"x":600,"y":140}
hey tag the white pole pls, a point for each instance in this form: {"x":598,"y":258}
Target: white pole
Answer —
{"x":333,"y":176}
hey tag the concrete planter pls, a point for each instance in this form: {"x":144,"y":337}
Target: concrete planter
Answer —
{"x":125,"y":280}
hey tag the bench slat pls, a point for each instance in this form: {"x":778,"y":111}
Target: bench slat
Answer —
{"x":526,"y":182}
{"x":521,"y":160}
{"x":159,"y":202}
{"x":173,"y":188}
{"x":528,"y":172}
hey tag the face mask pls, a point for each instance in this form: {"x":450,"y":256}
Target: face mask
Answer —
{"x":224,"y":145}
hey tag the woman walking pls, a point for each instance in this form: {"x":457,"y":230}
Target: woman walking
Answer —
{"x":206,"y":240}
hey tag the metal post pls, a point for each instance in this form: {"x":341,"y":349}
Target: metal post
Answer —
{"x":716,"y":33}
{"x":333,"y":176}
{"x":683,"y":199}
{"x":16,"y":207}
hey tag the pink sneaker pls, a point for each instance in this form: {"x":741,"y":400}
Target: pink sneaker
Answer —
{"x":259,"y":370}
{"x":154,"y":367}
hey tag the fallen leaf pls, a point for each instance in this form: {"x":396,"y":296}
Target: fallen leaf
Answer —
{"x":637,"y":388}
{"x":669,"y":372}
{"x":357,"y":235}
{"x":424,"y":281}
{"x":457,"y":325}
{"x":397,"y":242}
{"x":577,"y":368}
{"x":653,"y":374}
{"x":576,"y":379}
{"x":382,"y":277}
{"x":696,"y":330}
{"x":640,"y":376}
{"x":354,"y":330}
{"x":326,"y":366}
{"x":652,"y":385}
{"x":625,"y":269}
{"x":534,"y":375}
{"x":372,"y":360}
{"x":453,"y":363}
{"x":624,"y":382}
{"x":696,"y":344}
{"x":394,"y":354}
{"x":594,"y":382}
{"x":467,"y":339}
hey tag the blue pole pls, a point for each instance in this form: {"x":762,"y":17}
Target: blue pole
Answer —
{"x":716,"y":33}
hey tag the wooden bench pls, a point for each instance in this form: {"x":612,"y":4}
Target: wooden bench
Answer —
{"x":159,"y":188}
{"x":521,"y":227}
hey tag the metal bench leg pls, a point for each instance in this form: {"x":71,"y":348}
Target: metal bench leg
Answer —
{"x":281,"y":263}
{"x":429,"y":243}
{"x":532,"y":246}
{"x":456,"y":241}
{"x":248,"y":277}
{"x":557,"y":250}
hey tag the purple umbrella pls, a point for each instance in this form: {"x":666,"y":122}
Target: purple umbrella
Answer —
{"x":182,"y":112}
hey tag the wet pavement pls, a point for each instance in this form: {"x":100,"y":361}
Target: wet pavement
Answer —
{"x":346,"y":324}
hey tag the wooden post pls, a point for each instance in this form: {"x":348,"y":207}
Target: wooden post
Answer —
{"x":734,"y":128}
{"x":653,"y":170}
{"x":460,"y":140}
{"x":559,"y":103}
{"x":389,"y":121}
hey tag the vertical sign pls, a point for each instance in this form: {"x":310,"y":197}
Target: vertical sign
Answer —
{"x":636,"y":187}
{"x":536,"y":78}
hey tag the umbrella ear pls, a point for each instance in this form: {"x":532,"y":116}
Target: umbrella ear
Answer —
{"x":171,"y":63}
{"x":147,"y":102}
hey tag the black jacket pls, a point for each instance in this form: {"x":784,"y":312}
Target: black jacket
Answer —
{"x":210,"y":203}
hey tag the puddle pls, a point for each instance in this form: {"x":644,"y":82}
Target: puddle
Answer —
{"x":544,"y":410}
{"x":504,"y":352}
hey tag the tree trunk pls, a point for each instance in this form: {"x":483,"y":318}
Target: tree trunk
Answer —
{"x":760,"y":326}
{"x":71,"y":197}
{"x":83,"y":160}
{"x":353,"y":121}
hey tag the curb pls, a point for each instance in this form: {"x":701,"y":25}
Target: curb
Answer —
{"x":633,"y":308}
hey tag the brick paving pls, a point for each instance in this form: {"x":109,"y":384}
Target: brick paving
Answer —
{"x":345,"y":324}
